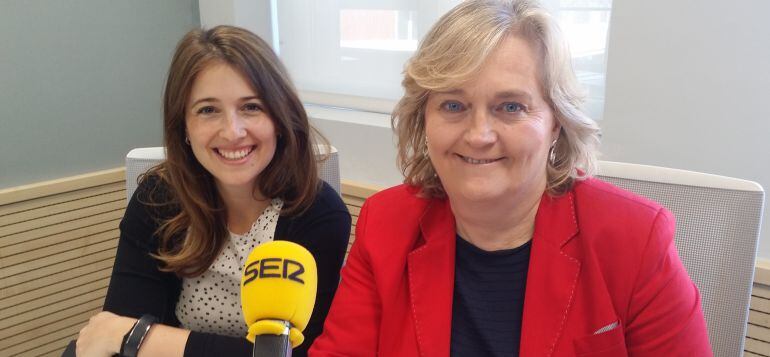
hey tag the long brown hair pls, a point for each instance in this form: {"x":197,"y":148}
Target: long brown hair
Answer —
{"x":191,"y":239}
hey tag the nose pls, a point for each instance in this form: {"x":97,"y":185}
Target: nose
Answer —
{"x":233,"y":127}
{"x":481,"y":131}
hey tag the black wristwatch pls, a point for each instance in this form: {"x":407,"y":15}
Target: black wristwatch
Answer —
{"x":132,"y":341}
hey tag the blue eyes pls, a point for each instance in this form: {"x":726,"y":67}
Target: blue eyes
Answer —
{"x":452,"y":107}
{"x":512,"y":107}
{"x":507,"y":107}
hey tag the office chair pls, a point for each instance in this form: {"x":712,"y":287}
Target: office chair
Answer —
{"x":718,"y":222}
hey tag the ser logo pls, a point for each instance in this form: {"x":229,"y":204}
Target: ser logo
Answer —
{"x":274,"y":268}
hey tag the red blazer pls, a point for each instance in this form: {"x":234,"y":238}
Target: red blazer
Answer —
{"x":599,"y":256}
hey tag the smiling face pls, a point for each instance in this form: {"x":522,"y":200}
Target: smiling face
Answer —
{"x":489,"y":138}
{"x":230,"y":133}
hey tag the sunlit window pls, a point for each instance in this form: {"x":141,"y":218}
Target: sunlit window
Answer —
{"x":377,"y":30}
{"x":359,"y":47}
{"x":585,"y":24}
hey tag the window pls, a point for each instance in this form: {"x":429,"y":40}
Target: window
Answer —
{"x":351,"y":53}
{"x":585,"y":24}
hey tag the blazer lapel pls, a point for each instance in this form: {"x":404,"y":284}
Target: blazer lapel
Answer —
{"x":431,"y":280}
{"x":552,"y":276}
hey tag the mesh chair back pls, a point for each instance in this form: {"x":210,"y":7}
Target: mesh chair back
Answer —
{"x":718,"y":222}
{"x":139,"y":160}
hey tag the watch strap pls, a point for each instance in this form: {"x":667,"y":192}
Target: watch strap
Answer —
{"x":134,"y":338}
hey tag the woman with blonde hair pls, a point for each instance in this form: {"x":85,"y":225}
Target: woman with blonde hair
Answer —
{"x":500,"y":243}
{"x":240,"y":170}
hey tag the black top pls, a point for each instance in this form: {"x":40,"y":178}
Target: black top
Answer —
{"x":488,"y":300}
{"x":137,"y":287}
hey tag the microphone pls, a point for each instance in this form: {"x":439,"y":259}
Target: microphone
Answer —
{"x":278,"y":290}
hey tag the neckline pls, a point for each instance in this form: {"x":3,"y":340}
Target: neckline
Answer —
{"x":461,"y":242}
{"x":275,"y":205}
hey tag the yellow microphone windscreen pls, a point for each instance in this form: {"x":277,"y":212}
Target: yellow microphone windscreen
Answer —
{"x":279,"y":282}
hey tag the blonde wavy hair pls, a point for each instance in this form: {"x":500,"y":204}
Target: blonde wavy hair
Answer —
{"x":456,"y":48}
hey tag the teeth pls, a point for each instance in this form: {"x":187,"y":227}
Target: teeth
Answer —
{"x":235,"y":154}
{"x":476,"y":162}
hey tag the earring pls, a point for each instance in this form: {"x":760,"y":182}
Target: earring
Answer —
{"x":425,"y":154}
{"x":187,"y":140}
{"x":552,"y":153}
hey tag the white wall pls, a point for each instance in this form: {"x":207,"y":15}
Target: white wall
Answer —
{"x":216,"y":12}
{"x":688,"y":86}
{"x":81,"y":82}
{"x":253,"y":15}
{"x":367,"y":147}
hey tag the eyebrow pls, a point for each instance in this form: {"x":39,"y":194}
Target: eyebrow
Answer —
{"x":508,"y":94}
{"x":453,"y":91}
{"x":212,"y":99}
{"x":518,"y":94}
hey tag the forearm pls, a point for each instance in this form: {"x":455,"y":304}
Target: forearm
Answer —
{"x":103,"y":336}
{"x":163,"y":340}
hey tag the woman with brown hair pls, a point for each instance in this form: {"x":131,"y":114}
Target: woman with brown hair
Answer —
{"x":240,"y":170}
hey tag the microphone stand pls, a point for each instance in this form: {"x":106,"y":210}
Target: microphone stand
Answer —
{"x":273,"y":345}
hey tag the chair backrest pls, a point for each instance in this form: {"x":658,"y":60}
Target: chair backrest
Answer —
{"x":139,"y":160}
{"x":718,"y":222}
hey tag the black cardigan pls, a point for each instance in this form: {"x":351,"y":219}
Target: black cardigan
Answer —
{"x":137,"y":287}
